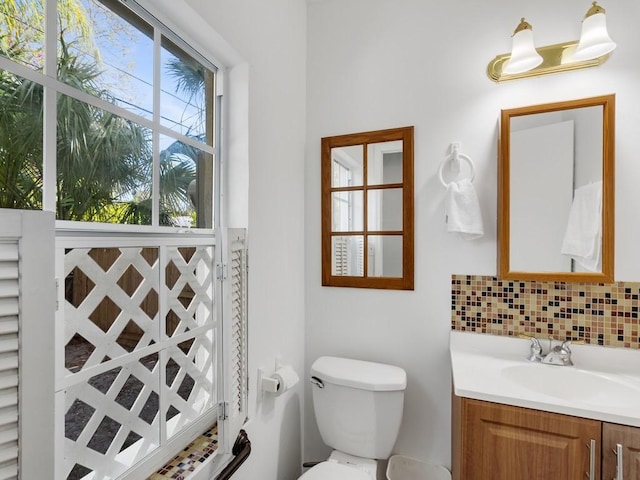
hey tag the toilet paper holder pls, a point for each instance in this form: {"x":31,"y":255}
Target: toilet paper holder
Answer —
{"x":270,"y":384}
{"x":282,"y":379}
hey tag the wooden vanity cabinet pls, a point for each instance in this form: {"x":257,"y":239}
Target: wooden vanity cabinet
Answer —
{"x":629,"y":440}
{"x":501,"y":442}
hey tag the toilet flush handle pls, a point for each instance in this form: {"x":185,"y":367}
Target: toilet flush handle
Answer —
{"x":317,"y":382}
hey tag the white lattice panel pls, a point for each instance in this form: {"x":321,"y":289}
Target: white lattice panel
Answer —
{"x":140,"y":357}
{"x":116,"y":413}
{"x":191,"y":388}
{"x":101,"y":318}
{"x":190,"y":297}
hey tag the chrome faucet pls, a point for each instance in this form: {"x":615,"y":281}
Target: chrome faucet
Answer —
{"x":559,"y":355}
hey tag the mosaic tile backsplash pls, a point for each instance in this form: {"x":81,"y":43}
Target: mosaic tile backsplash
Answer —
{"x":599,"y":314}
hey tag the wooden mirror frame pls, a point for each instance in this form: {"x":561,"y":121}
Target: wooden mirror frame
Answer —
{"x":608,"y":185}
{"x":404,"y":134}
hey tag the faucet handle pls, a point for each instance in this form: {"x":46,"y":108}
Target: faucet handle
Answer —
{"x":535,"y":354}
{"x":566,"y":343}
{"x":561,"y":354}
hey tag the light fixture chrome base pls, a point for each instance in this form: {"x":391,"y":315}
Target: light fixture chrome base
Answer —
{"x":556,"y":58}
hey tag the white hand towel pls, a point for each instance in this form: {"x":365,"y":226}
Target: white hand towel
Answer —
{"x":583,"y":237}
{"x":463,"y":210}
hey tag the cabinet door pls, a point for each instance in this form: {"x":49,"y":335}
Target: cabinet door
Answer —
{"x":629,"y":439}
{"x":501,"y":442}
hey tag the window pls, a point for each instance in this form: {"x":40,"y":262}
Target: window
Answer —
{"x":367,"y":209}
{"x":112,"y":121}
{"x":109,"y":119}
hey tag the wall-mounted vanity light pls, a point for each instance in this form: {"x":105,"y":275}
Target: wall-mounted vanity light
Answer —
{"x":525,"y":60}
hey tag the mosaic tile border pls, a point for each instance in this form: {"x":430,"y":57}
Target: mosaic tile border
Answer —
{"x":190,"y":458}
{"x":600,"y":314}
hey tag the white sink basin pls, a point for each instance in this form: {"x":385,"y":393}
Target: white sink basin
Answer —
{"x":571,"y":384}
{"x":603,"y":385}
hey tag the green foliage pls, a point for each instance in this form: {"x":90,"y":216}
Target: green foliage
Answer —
{"x":20,"y":143}
{"x":104,"y":162}
{"x":22,"y":28}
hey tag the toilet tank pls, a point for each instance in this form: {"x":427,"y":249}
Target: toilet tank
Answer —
{"x":358,"y":405}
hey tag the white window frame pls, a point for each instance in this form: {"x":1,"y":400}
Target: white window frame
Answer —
{"x":38,"y":424}
{"x":52,"y":87}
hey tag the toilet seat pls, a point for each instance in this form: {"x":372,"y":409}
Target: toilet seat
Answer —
{"x":332,"y":470}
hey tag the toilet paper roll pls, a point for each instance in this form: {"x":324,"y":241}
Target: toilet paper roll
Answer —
{"x":286,"y":377}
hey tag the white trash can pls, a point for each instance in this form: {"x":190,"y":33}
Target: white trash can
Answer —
{"x":401,"y":467}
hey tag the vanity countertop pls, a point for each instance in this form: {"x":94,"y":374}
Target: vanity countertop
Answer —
{"x":603,"y":384}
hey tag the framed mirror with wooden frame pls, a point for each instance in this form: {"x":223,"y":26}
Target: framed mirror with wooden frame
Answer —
{"x":556,"y":191}
{"x":367,"y":210}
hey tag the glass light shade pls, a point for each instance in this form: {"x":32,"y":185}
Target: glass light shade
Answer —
{"x":594,"y":40}
{"x":524,"y":56}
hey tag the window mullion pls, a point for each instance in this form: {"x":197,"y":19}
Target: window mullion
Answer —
{"x":51,"y":39}
{"x":50,"y":109}
{"x":218,"y":170}
{"x":157,"y":65}
{"x":365,"y":212}
{"x":49,"y":140}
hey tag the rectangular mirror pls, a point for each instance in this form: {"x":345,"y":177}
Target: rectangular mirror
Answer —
{"x":367,"y":209}
{"x":556,"y":191}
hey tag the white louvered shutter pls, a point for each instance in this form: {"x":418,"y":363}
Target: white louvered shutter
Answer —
{"x":236,"y":355}
{"x":9,"y":315}
{"x":27,"y":312}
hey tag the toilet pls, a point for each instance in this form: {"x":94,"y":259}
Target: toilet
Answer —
{"x":358,"y":407}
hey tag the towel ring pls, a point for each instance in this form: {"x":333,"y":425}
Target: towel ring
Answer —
{"x":464,"y":157}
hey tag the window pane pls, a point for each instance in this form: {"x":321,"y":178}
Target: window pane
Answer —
{"x":347,"y":166}
{"x":384,"y":162}
{"x":348,"y":256}
{"x":189,"y":381}
{"x":188,"y":278}
{"x":20,"y":143}
{"x":22,"y":32}
{"x":104,"y":166}
{"x":384,"y":209}
{"x":111,"y":422}
{"x":186,"y":96}
{"x":385,"y":256}
{"x":112,"y":417}
{"x":186,"y":185}
{"x":106,"y":55}
{"x":347,"y":211}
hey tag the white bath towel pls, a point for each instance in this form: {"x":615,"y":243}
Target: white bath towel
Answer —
{"x":583,"y":237}
{"x":462,"y":210}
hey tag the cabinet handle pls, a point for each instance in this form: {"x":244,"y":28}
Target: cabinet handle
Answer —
{"x":619,"y":462}
{"x":592,"y":460}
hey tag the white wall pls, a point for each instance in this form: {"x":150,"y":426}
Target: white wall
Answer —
{"x":376,"y":64}
{"x":267,"y":87}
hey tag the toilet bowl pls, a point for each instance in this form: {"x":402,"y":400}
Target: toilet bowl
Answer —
{"x":344,"y":467}
{"x":358,"y":407}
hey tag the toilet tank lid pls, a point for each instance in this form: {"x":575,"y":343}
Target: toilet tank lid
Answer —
{"x":359,"y":374}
